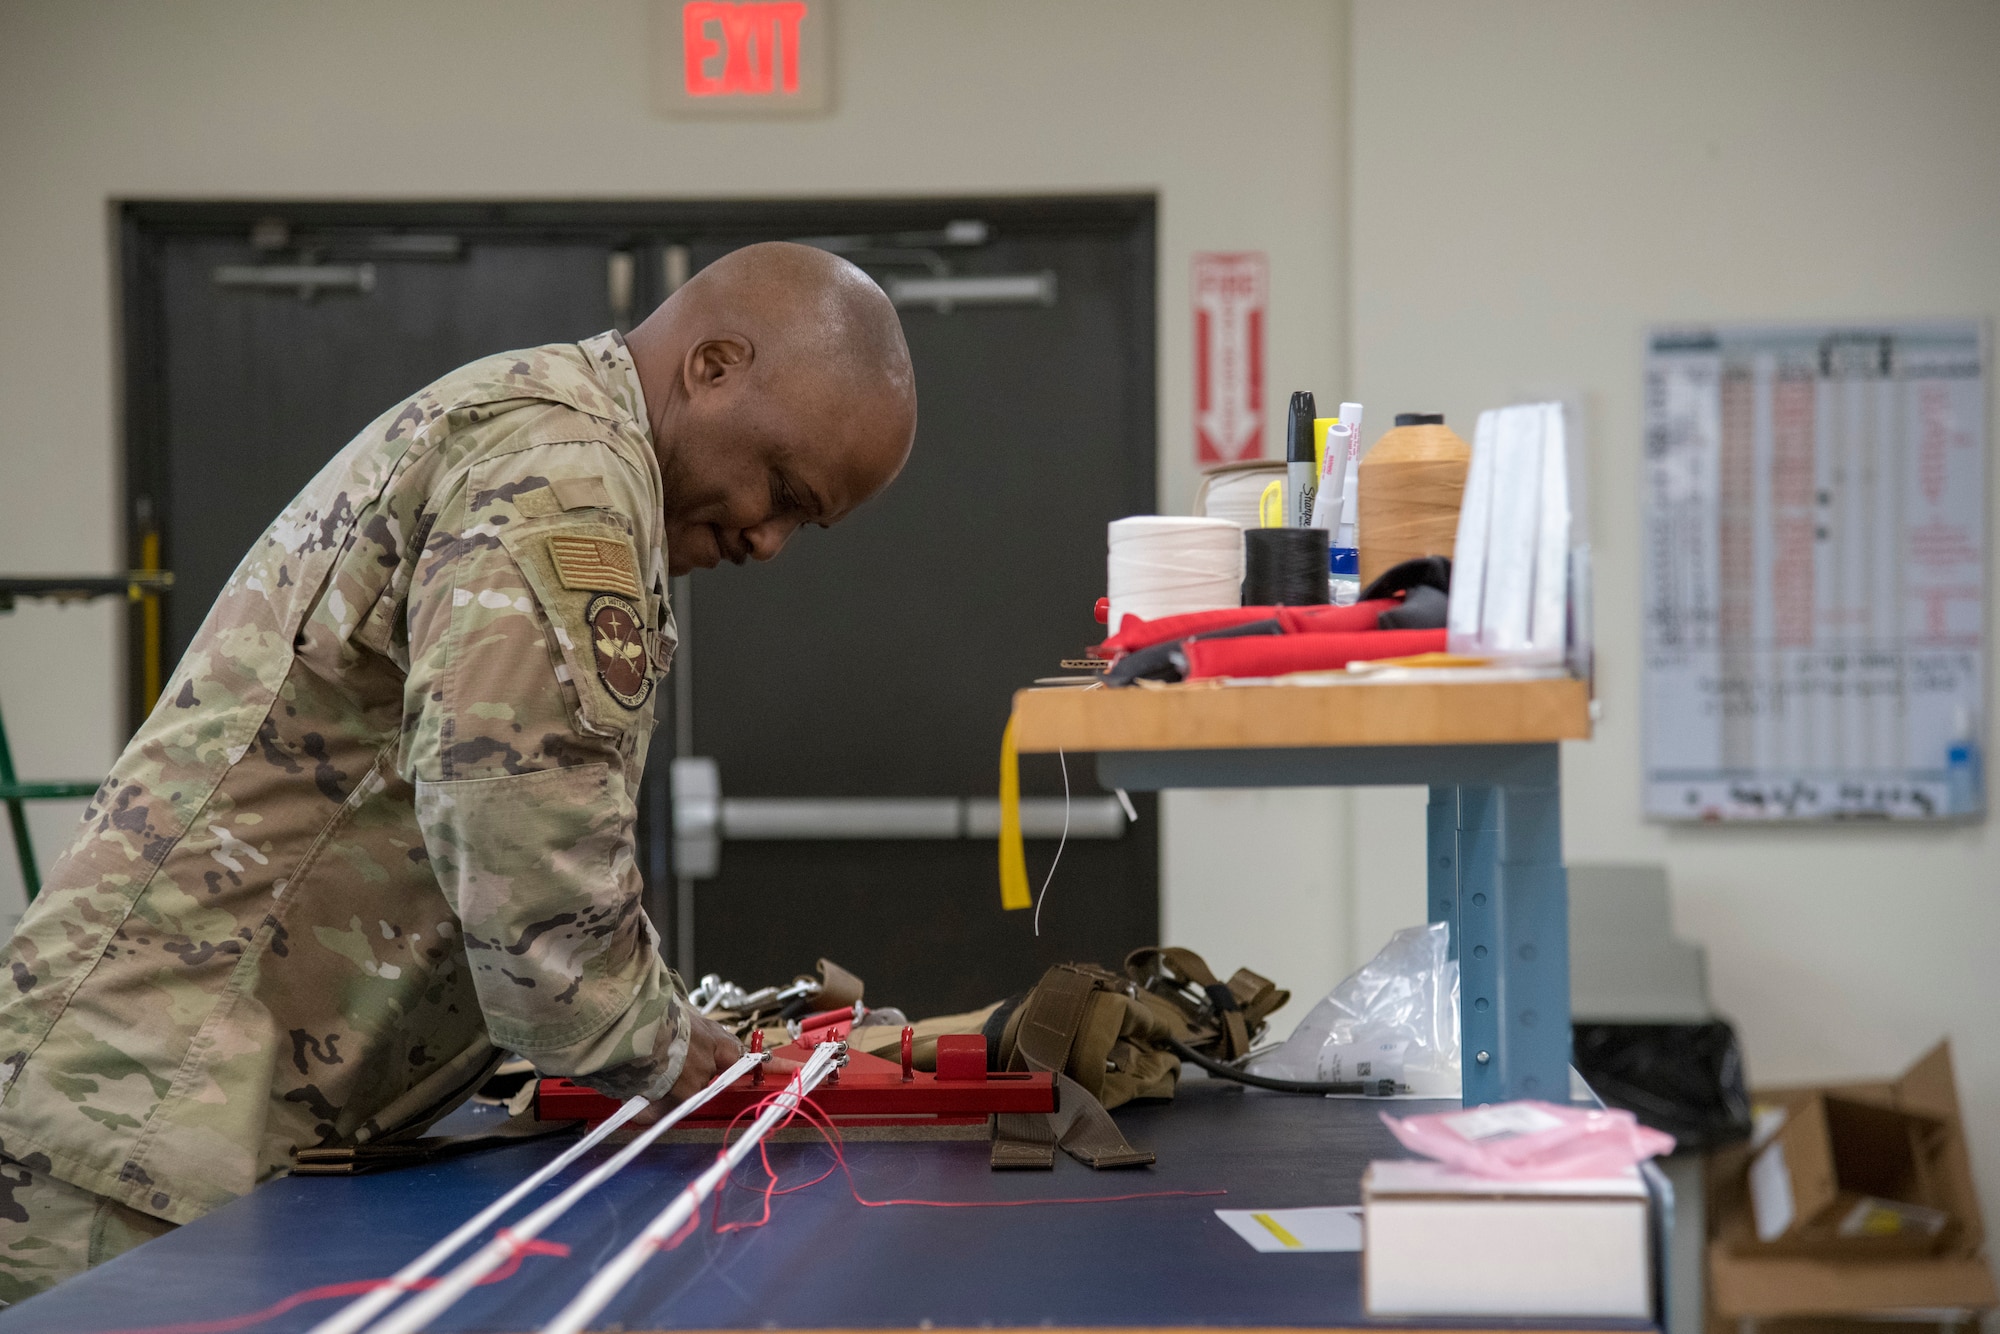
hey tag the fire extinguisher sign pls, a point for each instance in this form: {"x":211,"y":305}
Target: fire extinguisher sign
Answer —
{"x":1230,"y":293}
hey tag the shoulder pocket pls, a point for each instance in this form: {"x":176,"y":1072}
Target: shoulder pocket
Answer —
{"x":586,"y":575}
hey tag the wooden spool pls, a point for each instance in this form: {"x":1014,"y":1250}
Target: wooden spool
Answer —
{"x":1411,"y":484}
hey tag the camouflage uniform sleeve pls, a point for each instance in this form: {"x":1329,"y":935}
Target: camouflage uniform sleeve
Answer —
{"x":524,"y":758}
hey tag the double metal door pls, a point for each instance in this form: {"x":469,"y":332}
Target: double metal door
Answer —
{"x":837,"y":713}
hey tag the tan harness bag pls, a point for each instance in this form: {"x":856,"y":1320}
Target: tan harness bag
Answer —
{"x":1107,"y":1037}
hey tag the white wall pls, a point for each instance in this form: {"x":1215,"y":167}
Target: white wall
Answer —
{"x":1231,"y":113}
{"x":1535,"y":183}
{"x":1532,"y":183}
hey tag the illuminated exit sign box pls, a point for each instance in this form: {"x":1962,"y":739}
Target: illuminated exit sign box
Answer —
{"x":742,"y":57}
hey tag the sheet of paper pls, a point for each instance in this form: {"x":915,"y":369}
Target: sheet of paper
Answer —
{"x":1510,"y":546}
{"x":1814,"y":502}
{"x":1297,"y":1231}
{"x":1468,"y":573}
{"x":1548,"y":625}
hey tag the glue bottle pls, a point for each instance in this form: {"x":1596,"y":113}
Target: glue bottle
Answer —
{"x":1344,"y":559}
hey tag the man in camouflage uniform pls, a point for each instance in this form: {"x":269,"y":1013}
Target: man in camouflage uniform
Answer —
{"x":379,"y":828}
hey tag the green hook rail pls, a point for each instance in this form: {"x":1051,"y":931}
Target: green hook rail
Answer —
{"x":14,"y":793}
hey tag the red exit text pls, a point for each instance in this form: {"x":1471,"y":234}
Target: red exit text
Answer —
{"x":741,"y":50}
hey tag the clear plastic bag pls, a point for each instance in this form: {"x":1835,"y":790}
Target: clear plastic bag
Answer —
{"x":1532,"y":1140}
{"x":1395,"y":1017}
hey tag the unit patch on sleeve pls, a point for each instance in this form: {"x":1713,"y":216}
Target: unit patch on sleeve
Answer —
{"x":575,"y":493}
{"x":619,"y":643}
{"x":595,"y":564}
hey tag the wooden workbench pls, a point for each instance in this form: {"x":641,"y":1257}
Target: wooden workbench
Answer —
{"x":1360,"y":713}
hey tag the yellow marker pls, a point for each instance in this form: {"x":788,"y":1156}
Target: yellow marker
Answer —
{"x":1321,"y":425}
{"x":1427,"y":660}
{"x":1277,"y":1229}
{"x":1271,"y":506}
{"x":1013,"y":858}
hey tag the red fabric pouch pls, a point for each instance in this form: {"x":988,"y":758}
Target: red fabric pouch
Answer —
{"x":1135,"y":634}
{"x":1274,"y":655}
{"x":1335,"y":620}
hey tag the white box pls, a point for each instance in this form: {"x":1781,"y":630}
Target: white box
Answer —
{"x":1444,"y":1243}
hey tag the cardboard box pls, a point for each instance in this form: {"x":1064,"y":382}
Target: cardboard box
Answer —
{"x":1899,"y":1141}
{"x":1846,"y":1178}
{"x":1444,"y":1243}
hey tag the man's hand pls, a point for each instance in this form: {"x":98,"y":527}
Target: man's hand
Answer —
{"x":712,"y":1050}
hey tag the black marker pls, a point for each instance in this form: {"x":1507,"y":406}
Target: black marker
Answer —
{"x":1301,"y":471}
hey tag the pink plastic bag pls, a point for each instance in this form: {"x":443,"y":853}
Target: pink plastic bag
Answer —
{"x":1523,"y":1140}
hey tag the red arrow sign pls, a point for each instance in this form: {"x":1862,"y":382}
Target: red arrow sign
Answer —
{"x":1230,"y":291}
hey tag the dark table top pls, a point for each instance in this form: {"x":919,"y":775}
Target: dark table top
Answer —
{"x":823,"y":1261}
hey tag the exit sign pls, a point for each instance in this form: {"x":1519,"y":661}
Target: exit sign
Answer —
{"x":742,"y":57}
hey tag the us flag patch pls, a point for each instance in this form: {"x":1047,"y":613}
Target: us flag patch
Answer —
{"x":595,"y":564}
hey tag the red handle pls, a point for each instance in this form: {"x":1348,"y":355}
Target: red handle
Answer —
{"x":824,"y":1019}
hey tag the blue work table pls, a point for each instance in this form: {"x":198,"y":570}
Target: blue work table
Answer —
{"x":823,"y":1262}
{"x":1490,"y":753}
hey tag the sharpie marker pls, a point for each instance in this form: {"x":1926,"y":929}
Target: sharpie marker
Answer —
{"x":1301,"y":476}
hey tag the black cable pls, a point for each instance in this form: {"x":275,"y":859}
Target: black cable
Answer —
{"x":1374,"y":1088}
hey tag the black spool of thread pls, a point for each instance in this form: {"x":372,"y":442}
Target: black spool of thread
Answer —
{"x":1284,"y":567}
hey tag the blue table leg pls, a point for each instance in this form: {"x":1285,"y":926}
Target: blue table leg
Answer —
{"x":1496,"y":874}
{"x":1442,"y":858}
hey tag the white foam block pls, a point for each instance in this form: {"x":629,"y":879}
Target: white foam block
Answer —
{"x":1444,"y":1243}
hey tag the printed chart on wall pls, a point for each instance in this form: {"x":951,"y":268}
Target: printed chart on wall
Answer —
{"x":1815,"y":565}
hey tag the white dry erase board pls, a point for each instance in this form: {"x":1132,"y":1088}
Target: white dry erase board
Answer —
{"x":1815,"y":572}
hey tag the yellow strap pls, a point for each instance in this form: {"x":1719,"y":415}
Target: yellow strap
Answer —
{"x":152,"y":665}
{"x":1013,"y":859}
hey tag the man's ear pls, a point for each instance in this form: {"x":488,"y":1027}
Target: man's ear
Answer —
{"x":711,"y":362}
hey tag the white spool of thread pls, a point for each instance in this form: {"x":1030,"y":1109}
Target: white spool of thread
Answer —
{"x":1164,"y":565}
{"x":1236,"y":491}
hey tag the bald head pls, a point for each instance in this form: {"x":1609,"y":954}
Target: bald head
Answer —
{"x":780,"y":393}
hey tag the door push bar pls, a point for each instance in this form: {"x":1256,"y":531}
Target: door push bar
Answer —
{"x":703,"y":817}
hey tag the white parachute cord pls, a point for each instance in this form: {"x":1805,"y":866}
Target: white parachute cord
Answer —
{"x":609,"y":1281}
{"x":1063,"y":843}
{"x":433,"y":1302}
{"x":366,"y":1307}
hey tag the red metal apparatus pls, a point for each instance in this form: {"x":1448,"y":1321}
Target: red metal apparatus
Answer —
{"x":867,"y":1091}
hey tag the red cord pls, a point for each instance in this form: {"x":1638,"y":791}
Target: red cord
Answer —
{"x":326,"y":1292}
{"x":764,"y":1157}
{"x":815,"y":1116}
